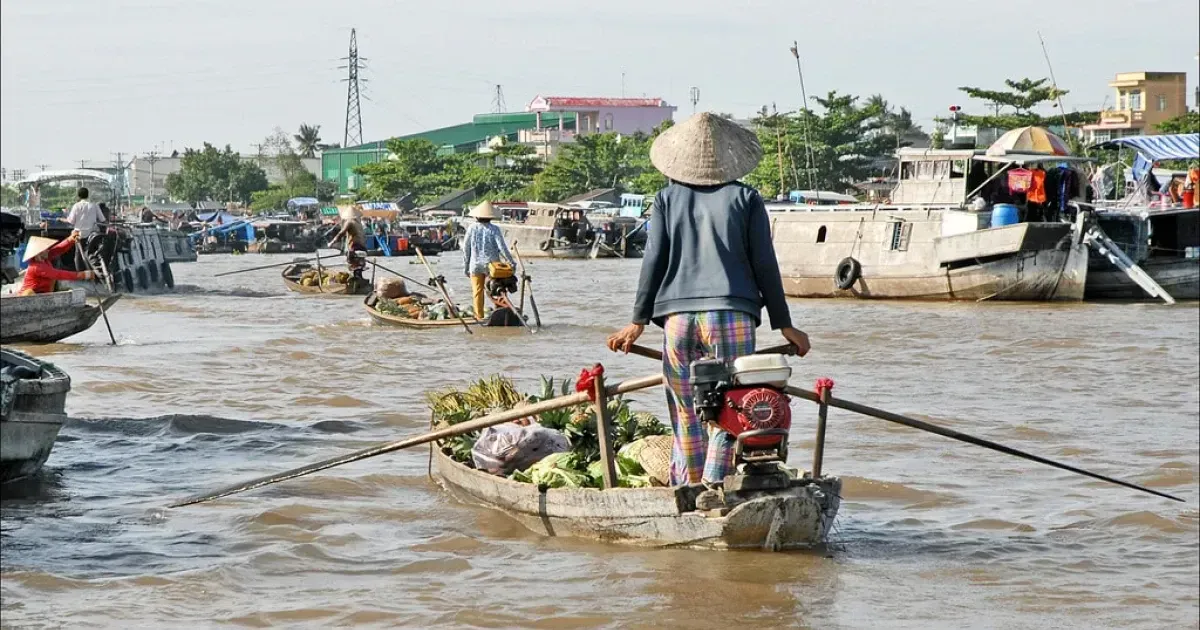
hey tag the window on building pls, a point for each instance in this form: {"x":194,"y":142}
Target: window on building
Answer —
{"x":1135,"y":100}
{"x":1162,"y":102}
{"x":1121,"y":102}
{"x":1101,"y":135}
{"x":821,"y":234}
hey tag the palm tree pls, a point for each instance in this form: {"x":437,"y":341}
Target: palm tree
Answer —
{"x":308,"y":140}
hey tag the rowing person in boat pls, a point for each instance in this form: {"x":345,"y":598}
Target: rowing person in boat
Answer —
{"x":708,"y":271}
{"x":41,"y":275}
{"x":483,"y":246}
{"x":356,"y":241}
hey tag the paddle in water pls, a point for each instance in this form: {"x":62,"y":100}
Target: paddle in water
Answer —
{"x":938,"y":430}
{"x":441,"y":285}
{"x":99,"y":300}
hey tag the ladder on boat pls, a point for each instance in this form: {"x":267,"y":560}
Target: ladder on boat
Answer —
{"x":382,"y":242}
{"x":1099,"y":241}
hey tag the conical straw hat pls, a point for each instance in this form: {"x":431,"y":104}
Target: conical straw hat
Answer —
{"x":350,"y":212}
{"x":484,"y":211}
{"x":37,"y":245}
{"x":706,"y":150}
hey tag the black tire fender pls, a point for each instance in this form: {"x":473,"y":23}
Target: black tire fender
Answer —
{"x":545,"y":246}
{"x":167,"y":276}
{"x":142,"y":278}
{"x":153,"y":269}
{"x":127,"y":279}
{"x":847,"y":273}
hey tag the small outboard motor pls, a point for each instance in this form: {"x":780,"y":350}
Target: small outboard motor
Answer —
{"x":746,"y":399}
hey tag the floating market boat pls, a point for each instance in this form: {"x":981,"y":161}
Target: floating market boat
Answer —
{"x":796,"y":517}
{"x":548,"y":230}
{"x":294,"y":281}
{"x":33,"y":395}
{"x":389,"y":319}
{"x":47,"y":317}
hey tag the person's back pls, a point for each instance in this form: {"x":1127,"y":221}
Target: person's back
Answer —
{"x":716,"y":254}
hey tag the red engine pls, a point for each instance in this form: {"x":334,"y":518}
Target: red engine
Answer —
{"x":755,"y":412}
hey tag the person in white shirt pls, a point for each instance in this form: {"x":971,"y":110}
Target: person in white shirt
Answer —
{"x":83,"y":218}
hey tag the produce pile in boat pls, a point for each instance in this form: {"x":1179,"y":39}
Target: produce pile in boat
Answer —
{"x":557,"y":449}
{"x":413,"y":306}
{"x":313,"y":277}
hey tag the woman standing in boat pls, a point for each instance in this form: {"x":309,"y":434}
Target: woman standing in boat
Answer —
{"x":708,"y":270}
{"x":482,"y":245}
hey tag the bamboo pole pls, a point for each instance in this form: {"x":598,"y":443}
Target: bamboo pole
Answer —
{"x":441,"y":285}
{"x":604,"y":431}
{"x":283,"y":264}
{"x":560,"y":402}
{"x":819,"y":446}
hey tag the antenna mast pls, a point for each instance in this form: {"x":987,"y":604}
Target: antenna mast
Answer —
{"x":353,"y":135}
{"x":808,"y":152}
{"x":498,"y":100}
{"x":694,"y":94}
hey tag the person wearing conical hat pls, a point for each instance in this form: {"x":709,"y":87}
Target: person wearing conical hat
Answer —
{"x":355,"y":240}
{"x":708,"y":270}
{"x":41,"y":274}
{"x":482,"y":245}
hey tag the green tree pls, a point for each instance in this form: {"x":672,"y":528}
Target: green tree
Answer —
{"x":211,"y":174}
{"x":506,"y":171}
{"x":827,"y":150}
{"x":308,"y":141}
{"x":604,"y":160}
{"x":1016,"y":107}
{"x":11,"y":196}
{"x":1184,"y":123}
{"x":416,"y":166}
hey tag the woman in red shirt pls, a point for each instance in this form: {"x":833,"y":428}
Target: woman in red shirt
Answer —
{"x":41,"y":275}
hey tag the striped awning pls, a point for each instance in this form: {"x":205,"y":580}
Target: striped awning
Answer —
{"x":1182,"y":146}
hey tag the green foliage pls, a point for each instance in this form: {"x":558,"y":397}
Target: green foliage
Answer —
{"x":212,"y":174}
{"x":414,"y":166}
{"x":506,"y":172}
{"x":11,"y":197}
{"x":606,"y":160}
{"x":269,"y":200}
{"x":308,"y":141}
{"x":1021,"y":100}
{"x":578,"y":423}
{"x":843,"y":140}
{"x":1188,"y":122}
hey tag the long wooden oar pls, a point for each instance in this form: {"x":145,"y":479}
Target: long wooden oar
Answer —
{"x":560,"y":402}
{"x":282,"y":264}
{"x":441,"y":284}
{"x":939,"y":430}
{"x":99,"y":300}
{"x":525,"y":280}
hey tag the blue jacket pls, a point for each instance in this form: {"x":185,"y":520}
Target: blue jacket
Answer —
{"x":709,"y":248}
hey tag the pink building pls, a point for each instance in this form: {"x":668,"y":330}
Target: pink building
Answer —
{"x":603,"y":115}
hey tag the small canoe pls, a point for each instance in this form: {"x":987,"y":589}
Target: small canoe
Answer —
{"x":47,"y":317}
{"x":386,"y":319}
{"x":292,"y":282}
{"x":797,"y":517}
{"x":33,"y":396}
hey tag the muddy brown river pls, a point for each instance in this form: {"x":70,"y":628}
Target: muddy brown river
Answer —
{"x":232,"y":378}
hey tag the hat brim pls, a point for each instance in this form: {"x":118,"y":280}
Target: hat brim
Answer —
{"x":706,"y":150}
{"x":37,"y":245}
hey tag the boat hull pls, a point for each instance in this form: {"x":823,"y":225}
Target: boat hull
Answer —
{"x":533,"y":241}
{"x":47,"y":317}
{"x":1180,"y":277}
{"x":31,"y":415}
{"x":408,"y":322}
{"x":797,"y":518}
{"x":928,"y":254}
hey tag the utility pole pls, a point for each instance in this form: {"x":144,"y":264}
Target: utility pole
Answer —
{"x":498,"y":100}
{"x":694,"y":94}
{"x":622,"y":85}
{"x":42,"y":167}
{"x":82,"y":164}
{"x":353,"y":135}
{"x":118,"y":184}
{"x":151,"y":158}
{"x":779,"y":148}
{"x":808,"y":151}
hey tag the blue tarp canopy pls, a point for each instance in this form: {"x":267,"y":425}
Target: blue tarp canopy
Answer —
{"x":1179,"y":146}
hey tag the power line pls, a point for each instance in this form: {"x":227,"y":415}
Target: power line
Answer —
{"x":353,"y":135}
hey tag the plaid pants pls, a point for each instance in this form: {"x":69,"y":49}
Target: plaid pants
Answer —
{"x":687,"y":337}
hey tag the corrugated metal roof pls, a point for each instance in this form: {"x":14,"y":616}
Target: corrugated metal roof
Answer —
{"x":480,"y":129}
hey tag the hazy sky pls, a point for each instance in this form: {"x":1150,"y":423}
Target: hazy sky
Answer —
{"x":82,"y":79}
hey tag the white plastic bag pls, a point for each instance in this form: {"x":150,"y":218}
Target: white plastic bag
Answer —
{"x":508,"y":447}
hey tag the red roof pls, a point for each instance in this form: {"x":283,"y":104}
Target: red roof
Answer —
{"x":583,"y":101}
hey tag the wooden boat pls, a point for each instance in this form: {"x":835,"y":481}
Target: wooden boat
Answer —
{"x":291,"y":280}
{"x":47,"y":317}
{"x":386,"y":319}
{"x":797,"y":517}
{"x":33,"y":395}
{"x":1164,"y":242}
